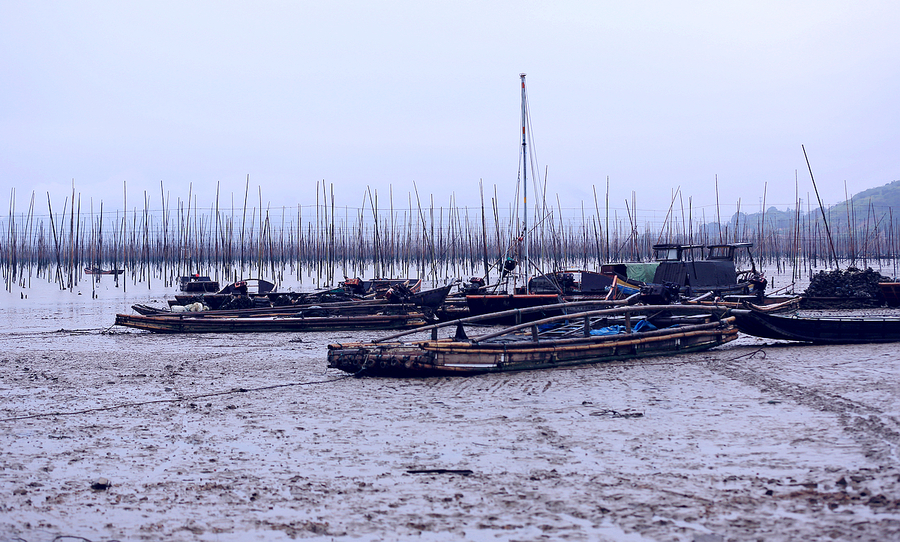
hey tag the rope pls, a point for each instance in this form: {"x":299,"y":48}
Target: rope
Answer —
{"x":178,"y":400}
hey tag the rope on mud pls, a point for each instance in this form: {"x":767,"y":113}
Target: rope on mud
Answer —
{"x":750,"y":355}
{"x":31,"y":334}
{"x":177,"y":400}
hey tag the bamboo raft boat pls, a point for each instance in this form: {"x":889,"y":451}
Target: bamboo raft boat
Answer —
{"x":576,"y":338}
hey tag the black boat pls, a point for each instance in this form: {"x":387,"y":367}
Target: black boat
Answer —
{"x":206,"y":291}
{"x":715,"y":273}
{"x":818,"y":329}
{"x":197,"y":283}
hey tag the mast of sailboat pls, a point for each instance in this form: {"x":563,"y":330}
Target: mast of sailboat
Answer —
{"x":525,"y":261}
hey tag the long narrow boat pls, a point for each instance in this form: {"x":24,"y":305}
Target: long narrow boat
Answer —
{"x":212,"y":323}
{"x":818,"y":329}
{"x":574,"y":339}
{"x":424,"y":302}
{"x":99,"y":271}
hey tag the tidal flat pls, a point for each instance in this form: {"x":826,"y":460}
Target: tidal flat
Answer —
{"x":112,"y":434}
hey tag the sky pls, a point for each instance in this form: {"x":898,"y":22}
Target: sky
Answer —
{"x":645,"y":100}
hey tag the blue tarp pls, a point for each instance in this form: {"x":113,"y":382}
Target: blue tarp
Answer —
{"x":642,"y":325}
{"x":611,"y":330}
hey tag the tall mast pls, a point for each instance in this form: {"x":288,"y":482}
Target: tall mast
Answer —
{"x":525,"y":262}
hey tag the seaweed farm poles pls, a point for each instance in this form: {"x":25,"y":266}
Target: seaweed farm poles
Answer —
{"x":431,"y":241}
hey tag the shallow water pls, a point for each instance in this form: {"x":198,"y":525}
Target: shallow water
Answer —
{"x":249,"y":437}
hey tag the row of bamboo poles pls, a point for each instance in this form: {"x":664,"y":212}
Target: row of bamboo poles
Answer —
{"x":321,"y":243}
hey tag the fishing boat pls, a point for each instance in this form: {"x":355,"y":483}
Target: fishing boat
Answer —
{"x":378,"y":287}
{"x":716,"y":272}
{"x":614,"y":334}
{"x":496,"y":301}
{"x":426,"y":301}
{"x":199,"y":290}
{"x":773,"y":304}
{"x":99,"y":271}
{"x":573,"y":284}
{"x":818,"y":329}
{"x":366,"y":315}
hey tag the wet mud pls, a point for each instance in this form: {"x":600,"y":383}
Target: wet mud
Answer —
{"x":134,"y":436}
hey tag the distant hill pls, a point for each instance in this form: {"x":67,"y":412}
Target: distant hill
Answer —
{"x":878,"y":205}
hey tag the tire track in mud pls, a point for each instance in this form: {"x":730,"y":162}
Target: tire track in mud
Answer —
{"x":457,"y":386}
{"x":876,"y":430}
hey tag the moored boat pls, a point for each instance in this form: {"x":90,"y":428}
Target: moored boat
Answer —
{"x":818,"y":329}
{"x":310,"y":319}
{"x":621,"y":333}
{"x":244,"y":293}
{"x":100,"y":271}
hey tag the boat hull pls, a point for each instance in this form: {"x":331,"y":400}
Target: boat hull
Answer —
{"x":458,"y":358}
{"x":821,"y":330}
{"x":185,"y":323}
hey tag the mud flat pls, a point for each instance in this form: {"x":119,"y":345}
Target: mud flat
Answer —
{"x":134,"y":436}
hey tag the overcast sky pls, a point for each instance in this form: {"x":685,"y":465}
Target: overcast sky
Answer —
{"x":652,"y":95}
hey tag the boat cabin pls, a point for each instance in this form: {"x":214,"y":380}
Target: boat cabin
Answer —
{"x":715,"y":273}
{"x":725,"y":251}
{"x":249,"y":287}
{"x":675,"y":253}
{"x":198,"y":284}
{"x":571,"y":282}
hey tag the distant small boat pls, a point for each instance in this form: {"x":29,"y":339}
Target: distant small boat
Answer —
{"x":818,"y":329}
{"x":99,"y":271}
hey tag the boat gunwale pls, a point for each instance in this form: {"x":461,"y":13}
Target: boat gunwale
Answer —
{"x":474,"y":319}
{"x":526,"y":346}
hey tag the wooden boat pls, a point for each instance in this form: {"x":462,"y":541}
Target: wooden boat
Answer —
{"x":818,"y":329}
{"x":426,"y":301}
{"x":312,"y":318}
{"x":715,"y":273}
{"x":773,"y":304}
{"x":559,"y":341}
{"x":99,"y":271}
{"x":572,"y":283}
{"x":250,"y":288}
{"x":378,"y":287}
